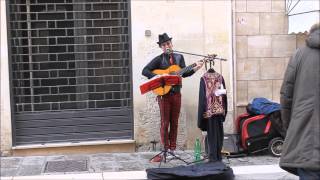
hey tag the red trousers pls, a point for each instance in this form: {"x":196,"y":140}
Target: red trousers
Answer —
{"x":170,"y":105}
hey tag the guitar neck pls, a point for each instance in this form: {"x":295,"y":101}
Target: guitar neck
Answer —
{"x":186,"y":69}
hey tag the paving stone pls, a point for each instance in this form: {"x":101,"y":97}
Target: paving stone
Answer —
{"x":147,"y":155}
{"x":8,"y":172}
{"x":102,"y":162}
{"x":126,"y":157}
{"x":131,"y":166}
{"x":151,"y":165}
{"x":102,"y":167}
{"x":27,"y":170}
{"x":104,"y":156}
{"x":56,"y":158}
{"x":34,"y":160}
{"x":10,"y":162}
{"x":77,"y":157}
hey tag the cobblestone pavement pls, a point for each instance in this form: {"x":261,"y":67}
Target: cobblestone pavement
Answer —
{"x":109,"y":162}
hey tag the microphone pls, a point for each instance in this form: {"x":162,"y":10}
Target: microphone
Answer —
{"x":168,"y":51}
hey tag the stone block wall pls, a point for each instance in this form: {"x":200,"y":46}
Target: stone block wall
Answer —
{"x":263,"y":49}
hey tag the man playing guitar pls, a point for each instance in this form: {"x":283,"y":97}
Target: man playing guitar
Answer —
{"x":169,"y":99}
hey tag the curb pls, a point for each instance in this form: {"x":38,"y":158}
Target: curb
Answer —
{"x":252,"y":170}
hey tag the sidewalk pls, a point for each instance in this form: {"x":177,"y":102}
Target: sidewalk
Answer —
{"x":125,"y":166}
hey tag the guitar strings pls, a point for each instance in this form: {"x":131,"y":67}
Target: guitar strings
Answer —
{"x":188,"y":68}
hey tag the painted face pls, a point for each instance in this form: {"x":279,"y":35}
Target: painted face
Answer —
{"x":166,"y":45}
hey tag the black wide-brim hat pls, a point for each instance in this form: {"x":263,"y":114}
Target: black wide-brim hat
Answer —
{"x":163,"y":38}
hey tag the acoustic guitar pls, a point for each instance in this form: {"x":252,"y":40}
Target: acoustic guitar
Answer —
{"x":172,"y":70}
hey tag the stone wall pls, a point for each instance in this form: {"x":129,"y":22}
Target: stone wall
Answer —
{"x":5,"y":112}
{"x":263,"y":49}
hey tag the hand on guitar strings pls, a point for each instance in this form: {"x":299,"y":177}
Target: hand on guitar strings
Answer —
{"x":199,"y":64}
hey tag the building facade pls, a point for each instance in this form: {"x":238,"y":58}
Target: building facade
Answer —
{"x":71,"y":69}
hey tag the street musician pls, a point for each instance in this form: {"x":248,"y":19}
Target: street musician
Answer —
{"x":169,"y":97}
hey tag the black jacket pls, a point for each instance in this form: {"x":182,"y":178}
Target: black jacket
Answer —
{"x":162,"y":62}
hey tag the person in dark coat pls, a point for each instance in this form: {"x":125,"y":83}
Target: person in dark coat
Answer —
{"x":300,"y":96}
{"x":169,"y":103}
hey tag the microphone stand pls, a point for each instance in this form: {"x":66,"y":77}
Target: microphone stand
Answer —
{"x":210,"y":57}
